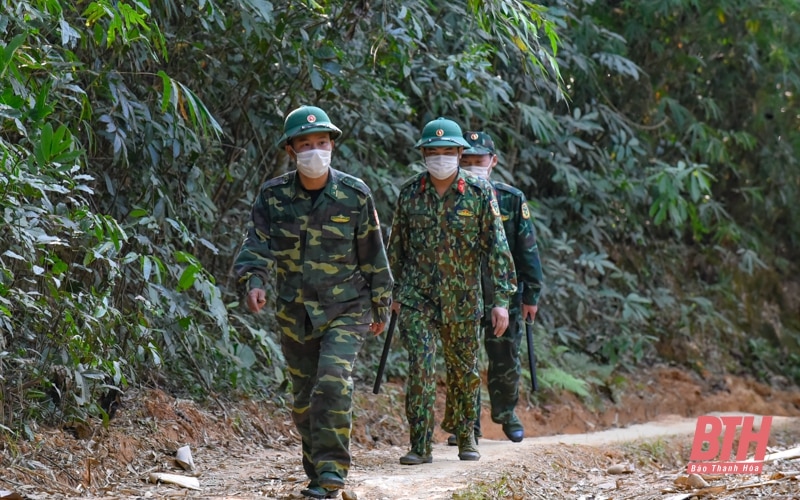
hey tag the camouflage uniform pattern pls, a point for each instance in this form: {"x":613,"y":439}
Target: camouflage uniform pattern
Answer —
{"x":460,"y":344}
{"x":503,"y":352}
{"x":436,"y":247}
{"x":322,"y":390}
{"x":332,"y":280}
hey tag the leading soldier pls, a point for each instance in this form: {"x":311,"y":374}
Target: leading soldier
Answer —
{"x":446,"y":223}
{"x":319,"y":229}
{"x":503,"y":352}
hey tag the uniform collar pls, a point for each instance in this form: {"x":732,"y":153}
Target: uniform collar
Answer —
{"x":331,"y":187}
{"x":459,"y":183}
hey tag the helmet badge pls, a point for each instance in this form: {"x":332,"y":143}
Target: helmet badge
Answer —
{"x":439,"y":132}
{"x":311,"y":118}
{"x":474,"y":137}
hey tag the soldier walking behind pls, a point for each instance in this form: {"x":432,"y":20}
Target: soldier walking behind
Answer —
{"x":446,"y":223}
{"x":503,"y":352}
{"x":319,"y":229}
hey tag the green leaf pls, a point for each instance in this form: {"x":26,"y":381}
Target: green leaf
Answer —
{"x":199,"y":114}
{"x":13,"y":255}
{"x":261,"y":7}
{"x":59,"y":267}
{"x":316,"y":80}
{"x":42,"y":147}
{"x":181,"y":256}
{"x":69,"y":36}
{"x":558,"y":379}
{"x":9,"y":50}
{"x":188,"y":277}
{"x":246,"y":356}
{"x":147,"y":267}
{"x":138,"y":212}
{"x":166,"y":90}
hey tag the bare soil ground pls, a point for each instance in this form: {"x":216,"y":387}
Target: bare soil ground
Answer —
{"x":249,"y":449}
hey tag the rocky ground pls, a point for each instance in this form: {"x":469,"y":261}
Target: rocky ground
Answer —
{"x":635,"y":445}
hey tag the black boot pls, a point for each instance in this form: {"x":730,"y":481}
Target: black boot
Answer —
{"x":513,"y":430}
{"x":414,"y":458}
{"x":314,"y":490}
{"x":452,"y":440}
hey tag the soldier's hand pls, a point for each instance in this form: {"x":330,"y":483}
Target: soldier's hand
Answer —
{"x":499,"y":320}
{"x":376,"y":328}
{"x":529,"y":313}
{"x":396,"y":307}
{"x":256,"y":298}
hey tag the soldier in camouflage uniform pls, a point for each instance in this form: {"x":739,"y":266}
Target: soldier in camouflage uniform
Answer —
{"x":318,"y":229}
{"x":446,"y":223}
{"x":503,"y":352}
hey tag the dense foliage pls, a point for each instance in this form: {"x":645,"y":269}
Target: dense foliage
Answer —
{"x":657,"y":141}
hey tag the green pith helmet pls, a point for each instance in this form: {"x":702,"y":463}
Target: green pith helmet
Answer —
{"x":307,"y":120}
{"x":441,"y":132}
{"x":480,"y":143}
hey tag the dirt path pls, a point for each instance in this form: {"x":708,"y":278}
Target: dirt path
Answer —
{"x":447,"y":474}
{"x":250,"y":449}
{"x":560,"y":467}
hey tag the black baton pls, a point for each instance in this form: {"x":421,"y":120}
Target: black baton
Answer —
{"x":531,"y":355}
{"x":387,"y":343}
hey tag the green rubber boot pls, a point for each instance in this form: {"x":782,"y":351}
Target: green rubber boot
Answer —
{"x":467,"y":447}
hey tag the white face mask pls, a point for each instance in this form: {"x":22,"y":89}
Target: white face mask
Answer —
{"x":441,"y":166}
{"x":313,"y":163}
{"x":479,"y":171}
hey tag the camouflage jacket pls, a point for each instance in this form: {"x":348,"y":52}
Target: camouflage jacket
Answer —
{"x":328,"y":257}
{"x":521,"y":235}
{"x":437,"y":244}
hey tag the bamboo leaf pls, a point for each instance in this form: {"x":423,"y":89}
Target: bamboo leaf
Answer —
{"x":9,"y":50}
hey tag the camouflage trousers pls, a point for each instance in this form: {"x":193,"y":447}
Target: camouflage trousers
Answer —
{"x":460,"y":344}
{"x":504,"y":369}
{"x":322,"y":388}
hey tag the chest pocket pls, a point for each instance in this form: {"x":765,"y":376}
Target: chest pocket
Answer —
{"x":422,"y":231}
{"x":464,"y":222}
{"x":337,"y":241}
{"x":284,"y":239}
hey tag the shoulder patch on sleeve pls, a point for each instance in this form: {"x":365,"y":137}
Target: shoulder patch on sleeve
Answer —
{"x":495,"y":207}
{"x":526,"y":213}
